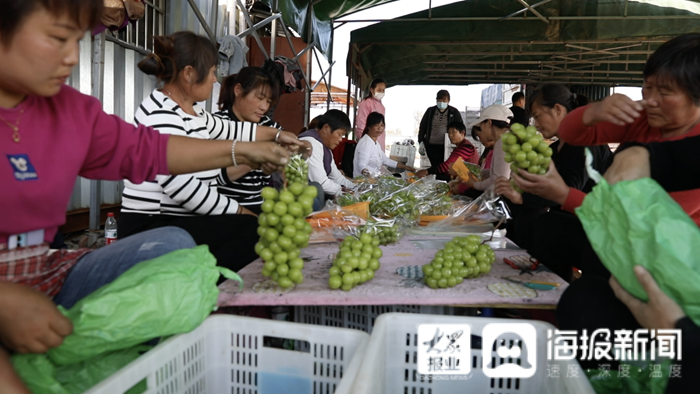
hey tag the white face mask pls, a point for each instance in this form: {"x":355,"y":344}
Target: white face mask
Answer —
{"x":379,"y":96}
{"x":441,"y":105}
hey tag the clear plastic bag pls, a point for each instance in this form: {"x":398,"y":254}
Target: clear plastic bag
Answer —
{"x":388,"y":231}
{"x":488,"y":208}
{"x":297,"y":170}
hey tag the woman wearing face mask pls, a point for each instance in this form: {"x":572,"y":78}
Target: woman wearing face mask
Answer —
{"x":433,"y":127}
{"x":246,"y":97}
{"x":369,"y":157}
{"x":371,"y":103}
{"x":549,"y":104}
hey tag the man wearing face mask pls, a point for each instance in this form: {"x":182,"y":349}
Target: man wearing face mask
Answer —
{"x":433,"y":127}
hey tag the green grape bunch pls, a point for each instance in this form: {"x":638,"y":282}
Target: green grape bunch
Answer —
{"x":297,"y":170}
{"x":355,"y":263}
{"x":387,"y":233}
{"x":525,"y":148}
{"x":461,"y":258}
{"x":346,"y":199}
{"x":284,"y":231}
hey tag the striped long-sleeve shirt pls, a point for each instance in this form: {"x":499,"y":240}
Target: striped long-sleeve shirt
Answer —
{"x":185,"y":194}
{"x":465,"y":150}
{"x":246,"y":189}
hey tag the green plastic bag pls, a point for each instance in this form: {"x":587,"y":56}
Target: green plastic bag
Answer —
{"x":168,"y":295}
{"x":637,"y":223}
{"x":43,"y":377}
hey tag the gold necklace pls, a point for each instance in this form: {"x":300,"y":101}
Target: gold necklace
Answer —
{"x":13,"y":126}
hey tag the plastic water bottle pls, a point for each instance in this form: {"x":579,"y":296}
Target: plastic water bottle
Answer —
{"x":110,"y":229}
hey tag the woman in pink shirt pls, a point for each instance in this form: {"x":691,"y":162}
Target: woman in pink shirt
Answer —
{"x":50,"y":134}
{"x":371,"y":103}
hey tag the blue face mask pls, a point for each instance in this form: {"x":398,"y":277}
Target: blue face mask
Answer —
{"x":441,"y":105}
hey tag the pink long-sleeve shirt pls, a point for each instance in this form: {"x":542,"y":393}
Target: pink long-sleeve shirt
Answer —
{"x":62,"y":137}
{"x":366,"y":107}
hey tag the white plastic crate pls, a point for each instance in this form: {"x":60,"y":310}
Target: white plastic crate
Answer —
{"x":359,"y":317}
{"x":226,"y":354}
{"x":389,"y":365}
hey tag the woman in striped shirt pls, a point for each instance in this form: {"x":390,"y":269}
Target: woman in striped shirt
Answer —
{"x":246,"y":97}
{"x":457,"y":133}
{"x":185,"y":63}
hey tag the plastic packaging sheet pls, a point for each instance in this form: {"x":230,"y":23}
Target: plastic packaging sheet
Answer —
{"x":488,"y":208}
{"x":170,"y":294}
{"x":637,"y":223}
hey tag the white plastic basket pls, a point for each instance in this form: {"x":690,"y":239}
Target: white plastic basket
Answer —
{"x":226,"y":354}
{"x":389,"y":365}
{"x":359,"y":317}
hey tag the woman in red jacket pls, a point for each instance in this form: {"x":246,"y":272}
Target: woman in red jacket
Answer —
{"x":669,"y":111}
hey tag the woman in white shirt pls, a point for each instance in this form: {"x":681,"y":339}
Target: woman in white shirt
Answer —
{"x":330,"y":130}
{"x":369,"y":156}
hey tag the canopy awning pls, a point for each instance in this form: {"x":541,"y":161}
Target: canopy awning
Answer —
{"x":595,"y":42}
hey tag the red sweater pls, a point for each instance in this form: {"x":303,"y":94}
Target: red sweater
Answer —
{"x":62,"y":137}
{"x":573,"y":131}
{"x":465,"y":150}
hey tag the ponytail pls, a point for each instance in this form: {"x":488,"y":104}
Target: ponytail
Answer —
{"x":550,"y":94}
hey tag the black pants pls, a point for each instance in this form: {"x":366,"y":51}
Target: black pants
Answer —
{"x":436,"y":154}
{"x":559,"y":242}
{"x":589,"y":303}
{"x":231,"y":238}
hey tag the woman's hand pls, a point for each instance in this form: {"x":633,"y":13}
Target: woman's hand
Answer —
{"x":29,"y":320}
{"x":452,"y":172}
{"x":505,"y":189}
{"x":405,"y":167}
{"x":454,"y":186}
{"x":617,"y":109}
{"x":550,"y":185}
{"x":630,"y":164}
{"x":246,"y":211}
{"x":660,"y":312}
{"x":422,"y":173}
{"x":292,"y":143}
{"x":268,"y":155}
{"x":306,"y":149}
{"x":9,"y":381}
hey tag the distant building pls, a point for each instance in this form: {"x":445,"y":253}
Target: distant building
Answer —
{"x":499,"y":94}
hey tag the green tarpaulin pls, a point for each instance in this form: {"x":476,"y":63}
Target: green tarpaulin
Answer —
{"x":295,"y":14}
{"x":599,"y":42}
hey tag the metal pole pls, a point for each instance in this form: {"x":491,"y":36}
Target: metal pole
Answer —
{"x":204,"y":23}
{"x":273,"y":37}
{"x":330,"y":71}
{"x":307,"y":96}
{"x":98,"y":64}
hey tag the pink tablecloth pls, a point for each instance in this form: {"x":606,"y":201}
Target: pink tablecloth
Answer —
{"x":387,"y":288}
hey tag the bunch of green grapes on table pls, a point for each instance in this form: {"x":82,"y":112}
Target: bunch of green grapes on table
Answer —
{"x":525,"y":148}
{"x":346,"y":199}
{"x":284,"y":230}
{"x":437,"y":206}
{"x":399,"y":204}
{"x":461,"y":258}
{"x":355,"y":263}
{"x":386,"y":232}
